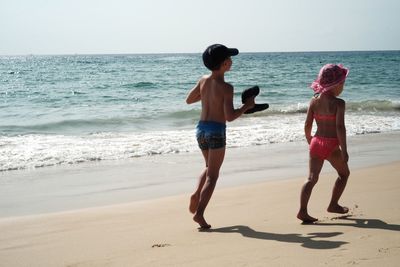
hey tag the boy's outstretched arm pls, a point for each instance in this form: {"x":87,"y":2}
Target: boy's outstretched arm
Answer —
{"x":341,"y":129}
{"x":194,"y":94}
{"x":230,"y":112}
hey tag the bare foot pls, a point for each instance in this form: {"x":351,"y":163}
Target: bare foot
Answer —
{"x":306,"y":218}
{"x":337,"y":209}
{"x":194,"y":202}
{"x":201,"y":221}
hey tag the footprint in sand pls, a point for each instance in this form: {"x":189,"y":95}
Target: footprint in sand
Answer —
{"x":383,"y":250}
{"x":160,"y":245}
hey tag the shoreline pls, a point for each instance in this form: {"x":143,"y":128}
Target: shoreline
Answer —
{"x":88,"y":185}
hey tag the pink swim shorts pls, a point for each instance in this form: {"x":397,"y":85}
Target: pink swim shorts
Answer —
{"x":323,"y":147}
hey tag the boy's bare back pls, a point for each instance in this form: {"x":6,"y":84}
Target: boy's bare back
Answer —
{"x":215,"y":94}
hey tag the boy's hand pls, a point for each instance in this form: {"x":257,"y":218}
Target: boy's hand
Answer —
{"x":250,"y":102}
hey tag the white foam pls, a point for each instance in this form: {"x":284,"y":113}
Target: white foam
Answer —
{"x":37,"y":150}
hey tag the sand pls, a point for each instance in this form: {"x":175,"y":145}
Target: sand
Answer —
{"x":253,"y":224}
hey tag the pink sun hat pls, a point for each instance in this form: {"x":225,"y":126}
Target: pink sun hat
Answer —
{"x":329,"y":76}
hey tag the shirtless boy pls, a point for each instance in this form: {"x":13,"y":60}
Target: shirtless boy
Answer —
{"x":216,"y":98}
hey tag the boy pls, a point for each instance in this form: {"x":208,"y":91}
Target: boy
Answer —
{"x":216,"y":98}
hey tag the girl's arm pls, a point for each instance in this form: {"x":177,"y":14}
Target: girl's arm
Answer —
{"x":194,"y":94}
{"x":341,"y":128}
{"x":308,"y":123}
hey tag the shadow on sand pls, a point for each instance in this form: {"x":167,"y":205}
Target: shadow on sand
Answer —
{"x":308,"y":241}
{"x":360,"y":223}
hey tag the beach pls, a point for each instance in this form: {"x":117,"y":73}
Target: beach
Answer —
{"x":99,"y":218}
{"x":102,"y":107}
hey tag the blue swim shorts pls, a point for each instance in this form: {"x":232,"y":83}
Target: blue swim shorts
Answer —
{"x":211,"y":135}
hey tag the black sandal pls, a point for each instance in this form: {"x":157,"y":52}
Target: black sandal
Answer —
{"x":253,"y":91}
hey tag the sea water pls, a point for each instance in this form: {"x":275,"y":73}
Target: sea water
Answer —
{"x":67,"y":109}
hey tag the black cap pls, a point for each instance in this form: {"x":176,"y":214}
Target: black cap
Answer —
{"x":215,"y":54}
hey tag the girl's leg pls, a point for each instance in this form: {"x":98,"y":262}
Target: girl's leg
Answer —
{"x":194,"y":199}
{"x":315,"y":166}
{"x":214,"y":162}
{"x":342,"y":168}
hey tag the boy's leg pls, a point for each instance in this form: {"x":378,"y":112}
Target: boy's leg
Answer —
{"x":342,"y":168}
{"x":214,"y":162}
{"x":315,"y":166}
{"x":194,"y":199}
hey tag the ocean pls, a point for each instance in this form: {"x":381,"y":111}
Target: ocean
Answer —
{"x":68,"y":109}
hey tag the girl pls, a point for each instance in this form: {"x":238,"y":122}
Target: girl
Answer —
{"x":329,"y":141}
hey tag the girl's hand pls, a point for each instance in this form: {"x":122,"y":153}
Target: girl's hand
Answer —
{"x":309,"y":139}
{"x":345,"y":156}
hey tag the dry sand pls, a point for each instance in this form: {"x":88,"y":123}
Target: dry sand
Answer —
{"x":253,"y":225}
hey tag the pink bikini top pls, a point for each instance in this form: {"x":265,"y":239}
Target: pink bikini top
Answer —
{"x":324,"y":117}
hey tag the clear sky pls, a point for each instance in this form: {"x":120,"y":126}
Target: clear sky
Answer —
{"x":163,"y":26}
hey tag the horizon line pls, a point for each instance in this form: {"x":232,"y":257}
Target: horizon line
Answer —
{"x":182,"y":53}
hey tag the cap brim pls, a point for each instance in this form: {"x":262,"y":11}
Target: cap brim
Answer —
{"x":233,"y":51}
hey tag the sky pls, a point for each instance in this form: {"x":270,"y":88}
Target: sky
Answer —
{"x":189,"y":26}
